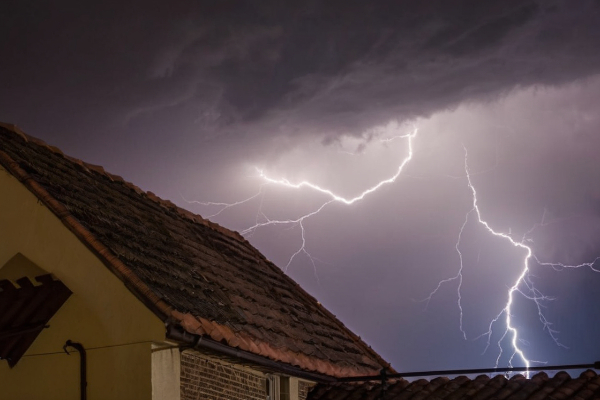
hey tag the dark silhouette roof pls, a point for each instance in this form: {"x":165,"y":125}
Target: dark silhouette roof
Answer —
{"x":24,"y":312}
{"x":189,"y":271}
{"x":540,"y":387}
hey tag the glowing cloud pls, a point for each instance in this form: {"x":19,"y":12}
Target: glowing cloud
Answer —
{"x":522,"y":283}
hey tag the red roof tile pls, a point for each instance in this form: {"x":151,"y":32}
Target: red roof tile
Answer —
{"x":186,"y":269}
{"x":539,"y":387}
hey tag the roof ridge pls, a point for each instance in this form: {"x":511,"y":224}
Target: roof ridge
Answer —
{"x":479,"y":387}
{"x":167,"y":204}
{"x":105,"y":254}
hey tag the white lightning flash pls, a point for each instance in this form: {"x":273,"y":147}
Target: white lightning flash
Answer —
{"x":522,"y":284}
{"x":507,"y":310}
{"x":341,"y":199}
{"x":263,"y":220}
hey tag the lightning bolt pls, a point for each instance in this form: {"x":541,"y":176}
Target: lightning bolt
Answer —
{"x":522,"y":285}
{"x":507,"y":310}
{"x":351,"y":200}
{"x":262,"y":220}
{"x":458,"y":277}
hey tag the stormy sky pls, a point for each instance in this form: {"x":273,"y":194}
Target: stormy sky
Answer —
{"x":191,"y":99}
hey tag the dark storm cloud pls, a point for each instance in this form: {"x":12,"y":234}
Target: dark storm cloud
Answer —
{"x":178,"y":96}
{"x":332,"y":68}
{"x":325,"y":68}
{"x":205,"y":83}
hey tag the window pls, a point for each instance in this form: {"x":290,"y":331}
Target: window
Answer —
{"x":284,"y":388}
{"x":278,"y":387}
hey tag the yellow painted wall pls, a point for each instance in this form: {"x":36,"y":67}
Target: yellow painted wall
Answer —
{"x":116,"y":329}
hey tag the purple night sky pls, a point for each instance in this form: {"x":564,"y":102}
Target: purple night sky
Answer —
{"x":192,"y":99}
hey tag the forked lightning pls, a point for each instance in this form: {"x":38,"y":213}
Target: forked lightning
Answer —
{"x":522,"y":284}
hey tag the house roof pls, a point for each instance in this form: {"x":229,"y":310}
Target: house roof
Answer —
{"x":540,"y":387}
{"x":187,"y":270}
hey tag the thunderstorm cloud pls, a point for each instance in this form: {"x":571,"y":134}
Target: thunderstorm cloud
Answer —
{"x":188,"y":99}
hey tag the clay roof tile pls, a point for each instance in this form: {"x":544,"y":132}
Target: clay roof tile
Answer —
{"x":518,"y":387}
{"x":174,"y":251}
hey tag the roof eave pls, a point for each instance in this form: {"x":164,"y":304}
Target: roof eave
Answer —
{"x":164,"y":311}
{"x":155,"y":304}
{"x":199,"y":342}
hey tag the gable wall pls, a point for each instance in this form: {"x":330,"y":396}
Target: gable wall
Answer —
{"x":116,"y":328}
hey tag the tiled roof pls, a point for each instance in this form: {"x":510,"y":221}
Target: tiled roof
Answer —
{"x":540,"y":387}
{"x":186,"y":269}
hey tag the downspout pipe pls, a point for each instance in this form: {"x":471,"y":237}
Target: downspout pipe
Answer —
{"x":82,"y":366}
{"x":198,"y":342}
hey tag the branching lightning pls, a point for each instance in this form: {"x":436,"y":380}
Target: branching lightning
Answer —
{"x":263,"y":220}
{"x":341,"y":199}
{"x":522,"y":285}
{"x":507,"y":310}
{"x":458,"y":277}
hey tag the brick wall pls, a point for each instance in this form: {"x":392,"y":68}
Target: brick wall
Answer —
{"x":205,"y":378}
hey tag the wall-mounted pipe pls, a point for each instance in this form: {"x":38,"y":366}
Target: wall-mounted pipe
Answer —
{"x":384,"y":376}
{"x":82,"y":365}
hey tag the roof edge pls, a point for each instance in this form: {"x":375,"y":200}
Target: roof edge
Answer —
{"x":242,"y":341}
{"x":200,"y":342}
{"x":354,"y":337}
{"x":357,"y":339}
{"x":100,"y":170}
{"x":158,"y":306}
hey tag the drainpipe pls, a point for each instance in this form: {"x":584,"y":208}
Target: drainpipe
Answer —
{"x":82,"y":366}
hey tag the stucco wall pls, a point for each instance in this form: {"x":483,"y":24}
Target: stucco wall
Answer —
{"x":114,"y":326}
{"x":166,"y":363}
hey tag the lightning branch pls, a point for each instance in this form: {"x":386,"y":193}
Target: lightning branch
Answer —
{"x":522,"y":285}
